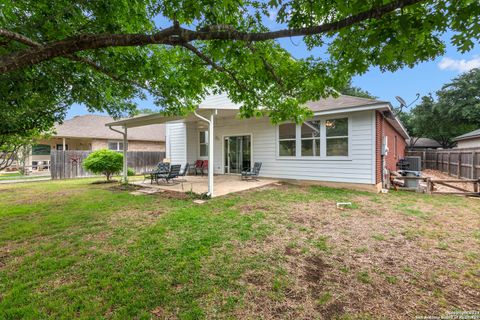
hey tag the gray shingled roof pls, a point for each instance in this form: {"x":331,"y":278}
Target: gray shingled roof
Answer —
{"x":469,"y":135}
{"x":425,"y":143}
{"x":341,"y":102}
{"x":93,"y":126}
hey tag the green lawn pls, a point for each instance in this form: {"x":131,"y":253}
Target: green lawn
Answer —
{"x":72,"y":249}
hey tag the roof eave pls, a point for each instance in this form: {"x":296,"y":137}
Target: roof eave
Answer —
{"x":103,"y":138}
{"x":380,"y":106}
{"x":466,"y":138}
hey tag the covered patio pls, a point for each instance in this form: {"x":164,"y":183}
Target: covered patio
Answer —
{"x":224,"y":184}
{"x":190,"y":147}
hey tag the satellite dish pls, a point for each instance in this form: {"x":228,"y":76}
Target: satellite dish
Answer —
{"x":402,"y":102}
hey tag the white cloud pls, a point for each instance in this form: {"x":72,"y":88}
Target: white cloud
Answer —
{"x":459,"y":65}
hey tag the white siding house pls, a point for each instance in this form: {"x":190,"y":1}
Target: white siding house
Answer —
{"x":339,"y":144}
{"x":358,"y":167}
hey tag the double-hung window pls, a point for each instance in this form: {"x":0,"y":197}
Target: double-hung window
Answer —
{"x":203,"y":143}
{"x":115,"y":145}
{"x":287,"y":140}
{"x":318,"y":139}
{"x":310,"y":136}
{"x":337,"y":137}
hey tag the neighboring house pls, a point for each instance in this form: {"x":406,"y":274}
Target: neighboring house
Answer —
{"x":469,"y":140}
{"x":422,"y":144}
{"x":88,"y":132}
{"x":342,"y":143}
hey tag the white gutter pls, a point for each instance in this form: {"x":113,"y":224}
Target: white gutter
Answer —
{"x":210,"y":148}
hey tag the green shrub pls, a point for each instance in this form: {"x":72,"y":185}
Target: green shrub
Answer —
{"x":131,"y":172}
{"x":106,"y":162}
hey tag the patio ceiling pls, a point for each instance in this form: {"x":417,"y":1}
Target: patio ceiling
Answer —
{"x":157,"y":118}
{"x":201,"y":114}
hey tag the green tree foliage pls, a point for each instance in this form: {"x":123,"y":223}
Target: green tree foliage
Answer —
{"x":106,"y":54}
{"x":352,"y":90}
{"x":16,"y":147}
{"x":460,"y":99}
{"x":455,"y":112}
{"x":106,"y":162}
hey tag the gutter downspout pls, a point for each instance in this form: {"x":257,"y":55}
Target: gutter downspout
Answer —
{"x":125,"y":148}
{"x":210,"y":148}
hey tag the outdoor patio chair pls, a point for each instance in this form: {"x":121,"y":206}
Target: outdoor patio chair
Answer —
{"x":253,"y":173}
{"x":161,"y":168}
{"x":185,"y":170}
{"x":198,"y":167}
{"x":171,"y":174}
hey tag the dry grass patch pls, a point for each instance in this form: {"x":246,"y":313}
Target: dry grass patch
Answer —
{"x":277,"y":252}
{"x":380,"y":258}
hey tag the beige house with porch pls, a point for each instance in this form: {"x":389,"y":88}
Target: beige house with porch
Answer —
{"x":88,"y":132}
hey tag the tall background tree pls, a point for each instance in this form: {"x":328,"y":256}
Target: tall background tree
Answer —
{"x":107,"y":54}
{"x":355,"y":91}
{"x":455,"y":111}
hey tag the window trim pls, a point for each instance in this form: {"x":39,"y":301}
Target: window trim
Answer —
{"x":323,"y":141}
{"x":319,"y":139}
{"x":118,"y":145}
{"x":286,"y":139}
{"x":339,"y":137}
{"x":204,"y":143}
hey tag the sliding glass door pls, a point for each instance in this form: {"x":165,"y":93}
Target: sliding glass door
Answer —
{"x":237,"y":153}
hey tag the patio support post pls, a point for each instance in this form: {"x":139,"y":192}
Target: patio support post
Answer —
{"x":210,"y":156}
{"x":210,"y":148}
{"x":125,"y":163}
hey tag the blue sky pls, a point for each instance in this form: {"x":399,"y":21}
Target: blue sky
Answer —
{"x":424,"y":78}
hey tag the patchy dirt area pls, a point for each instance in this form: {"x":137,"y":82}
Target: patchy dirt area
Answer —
{"x":437,"y":175}
{"x":389,"y":257}
{"x":277,"y":252}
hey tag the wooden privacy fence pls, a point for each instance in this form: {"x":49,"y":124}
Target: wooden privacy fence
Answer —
{"x":68,"y":164}
{"x":460,"y":163}
{"x":459,"y":185}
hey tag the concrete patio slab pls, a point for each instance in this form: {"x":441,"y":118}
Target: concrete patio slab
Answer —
{"x":223,"y":184}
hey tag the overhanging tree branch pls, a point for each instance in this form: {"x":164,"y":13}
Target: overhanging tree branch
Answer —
{"x":73,"y":57}
{"x":220,"y":68}
{"x":176,"y":35}
{"x":213,"y":64}
{"x":268,"y":67}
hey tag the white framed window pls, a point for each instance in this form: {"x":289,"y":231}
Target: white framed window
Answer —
{"x":287,"y":140}
{"x":115,"y":145}
{"x":310,"y":138}
{"x":203,"y":143}
{"x":337,"y":137}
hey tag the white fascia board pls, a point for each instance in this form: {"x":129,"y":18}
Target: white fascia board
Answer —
{"x":143,"y":121}
{"x":376,"y":106}
{"x":382,"y":106}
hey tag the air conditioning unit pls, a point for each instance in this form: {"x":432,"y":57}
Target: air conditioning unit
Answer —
{"x":414,"y":163}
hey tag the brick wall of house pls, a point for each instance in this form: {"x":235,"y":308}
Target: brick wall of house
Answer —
{"x":396,"y":145}
{"x":378,"y":146}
